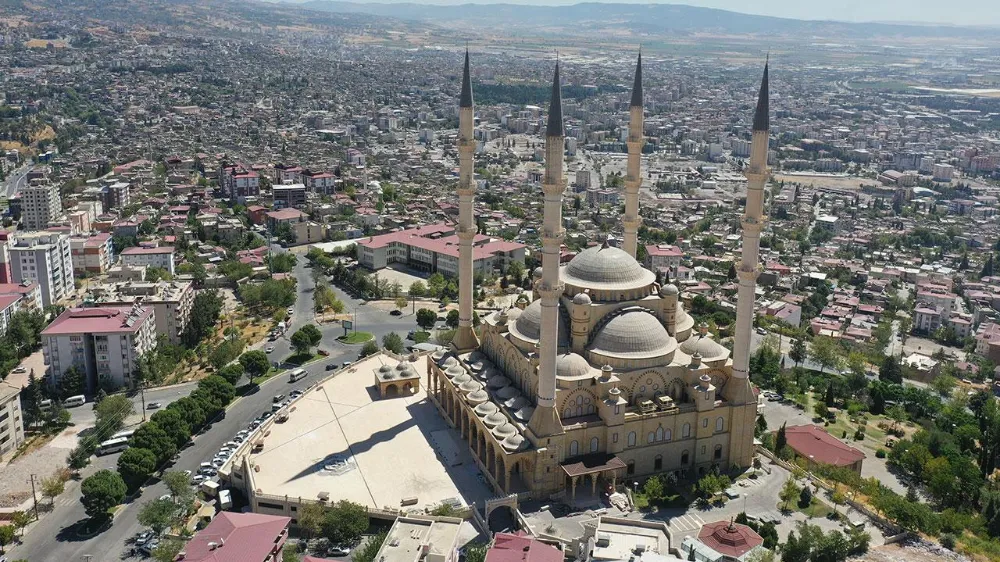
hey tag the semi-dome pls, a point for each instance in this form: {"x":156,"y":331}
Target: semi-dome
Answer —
{"x":634,"y":334}
{"x":528,"y":325}
{"x":607,"y":268}
{"x":516,"y":403}
{"x":524,"y":414}
{"x":572,"y":366}
{"x":470,"y":386}
{"x":478,"y":397}
{"x":454,"y":371}
{"x":460,"y":379}
{"x":486,"y":408}
{"x":709,"y":349}
{"x":495,"y":419}
{"x":498,"y":381}
{"x":504,"y":430}
{"x":514,"y":442}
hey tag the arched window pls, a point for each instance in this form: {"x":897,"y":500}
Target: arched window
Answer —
{"x":631,"y":439}
{"x":720,"y":424}
{"x":574,"y":448}
{"x":686,"y":430}
{"x":658,"y":462}
{"x":659,"y":434}
{"x":630,"y":467}
{"x":579,"y":411}
{"x":595,"y":444}
{"x":718,"y":452}
{"x":567,"y":413}
{"x":668,"y":435}
{"x":591,"y":409}
{"x":651,"y":438}
{"x":704,"y":422}
{"x":685,"y":457}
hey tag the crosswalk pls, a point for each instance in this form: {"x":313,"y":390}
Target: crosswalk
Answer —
{"x":684,"y":523}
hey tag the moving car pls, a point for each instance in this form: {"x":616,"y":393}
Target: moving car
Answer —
{"x":339,"y":551}
{"x":290,"y":311}
{"x":153,"y":405}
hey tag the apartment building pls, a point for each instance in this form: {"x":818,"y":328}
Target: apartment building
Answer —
{"x":40,"y":206}
{"x":663,"y":256}
{"x":160,"y":256}
{"x":289,"y":195}
{"x":92,"y":254}
{"x":45,"y":258}
{"x":171,"y":302}
{"x":239,"y":537}
{"x":11,"y":425}
{"x":17,"y":298}
{"x":239,"y":184}
{"x":104,"y":342}
{"x":320,"y":182}
{"x":434,"y":248}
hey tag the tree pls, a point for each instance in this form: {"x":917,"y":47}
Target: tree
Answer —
{"x":311,"y":518}
{"x":135,"y":466}
{"x":168,"y":550}
{"x":344,"y":522}
{"x":369,"y":348}
{"x":798,"y":351}
{"x":179,"y":485}
{"x":826,"y":352}
{"x":401,"y":303}
{"x":189,"y":409}
{"x":805,"y":497}
{"x":418,"y":289}
{"x":31,"y":400}
{"x":987,"y":267}
{"x":232,"y":372}
{"x":426,"y":318}
{"x":175,"y":426}
{"x":306,"y":338}
{"x":111,"y":414}
{"x":653,"y":488}
{"x":780,"y":440}
{"x":152,"y":437}
{"x":890,"y":370}
{"x":830,"y":547}
{"x":72,"y":383}
{"x":157,"y":514}
{"x":473,"y":553}
{"x":711,"y":484}
{"x":393,"y":342}
{"x":797,"y":548}
{"x":204,"y":314}
{"x":20,"y":519}
{"x":52,"y":487}
{"x":6,"y":536}
{"x":255,"y":363}
{"x":102,"y":491}
{"x":788,"y":492}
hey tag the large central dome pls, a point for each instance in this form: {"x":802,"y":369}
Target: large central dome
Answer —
{"x":633,"y":334}
{"x":606,"y":268}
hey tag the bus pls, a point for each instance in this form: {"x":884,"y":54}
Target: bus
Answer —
{"x":126,"y":434}
{"x":297,"y":374}
{"x":112,"y":446}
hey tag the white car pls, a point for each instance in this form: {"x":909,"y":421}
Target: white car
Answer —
{"x":290,"y":311}
{"x":269,"y":349}
{"x":198,"y":479}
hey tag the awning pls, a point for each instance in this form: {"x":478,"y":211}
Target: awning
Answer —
{"x":590,"y":464}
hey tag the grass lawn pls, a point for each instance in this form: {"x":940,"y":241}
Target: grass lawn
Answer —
{"x":421,"y":337}
{"x":300,"y":358}
{"x":816,"y":508}
{"x":356,"y":337}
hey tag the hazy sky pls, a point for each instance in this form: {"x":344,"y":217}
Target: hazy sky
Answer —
{"x":962,"y":12}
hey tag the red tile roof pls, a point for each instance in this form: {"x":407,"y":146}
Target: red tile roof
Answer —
{"x":520,"y":548}
{"x":101,"y":320}
{"x":156,"y":250}
{"x":730,"y":539}
{"x":813,"y":442}
{"x":245,"y":537}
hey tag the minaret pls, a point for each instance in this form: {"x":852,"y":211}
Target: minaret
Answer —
{"x":633,"y":181}
{"x":465,"y":337}
{"x":545,"y":420}
{"x":738,"y":390}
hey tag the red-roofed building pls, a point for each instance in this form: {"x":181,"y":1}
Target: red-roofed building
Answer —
{"x":434,"y":248}
{"x":161,"y":256}
{"x":814,"y":444}
{"x":519,"y":547}
{"x":239,"y":537}
{"x":663,"y":256}
{"x":722,"y":541}
{"x":285,"y":216}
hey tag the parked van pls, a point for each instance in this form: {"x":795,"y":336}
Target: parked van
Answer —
{"x":297,"y":374}
{"x":78,"y":400}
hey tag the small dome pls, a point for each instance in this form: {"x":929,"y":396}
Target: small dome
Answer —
{"x":461,"y":379}
{"x":634,"y":334}
{"x":508,"y":392}
{"x":704,"y":345}
{"x":387,"y":375}
{"x":581,"y":298}
{"x":504,"y":430}
{"x":486,"y":408}
{"x":528,"y":325}
{"x":572,"y":366}
{"x":478,"y":397}
{"x":513,"y":313}
{"x":438,"y":355}
{"x":470,"y":386}
{"x":513,"y":442}
{"x":607,"y":268}
{"x":498,"y":381}
{"x":524,"y":414}
{"x":449,"y":361}
{"x":516,"y":403}
{"x":668,"y":290}
{"x":477,"y":366}
{"x":385,"y":369}
{"x":454,"y":371}
{"x":537,"y":273}
{"x":495,"y":419}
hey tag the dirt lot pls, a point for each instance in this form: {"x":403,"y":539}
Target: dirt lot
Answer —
{"x":916,"y":552}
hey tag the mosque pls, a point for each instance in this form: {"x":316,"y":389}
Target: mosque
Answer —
{"x":604,"y":376}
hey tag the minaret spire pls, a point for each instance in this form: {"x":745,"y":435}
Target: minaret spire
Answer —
{"x":738,"y":391}
{"x":545,"y":420}
{"x":633,"y":180}
{"x":465,"y":338}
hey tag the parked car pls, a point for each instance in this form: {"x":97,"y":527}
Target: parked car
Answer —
{"x":339,"y":551}
{"x":143,"y":537}
{"x":277,"y":398}
{"x":19,"y":369}
{"x":153,"y":405}
{"x":396,"y":312}
{"x":331,"y":367}
{"x":269,"y":349}
{"x":290,"y":311}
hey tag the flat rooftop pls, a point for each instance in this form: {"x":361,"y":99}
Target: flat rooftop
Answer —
{"x":342,"y":439}
{"x":624,"y":536}
{"x":410,"y":534}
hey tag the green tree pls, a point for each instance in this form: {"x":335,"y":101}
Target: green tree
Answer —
{"x":157,"y":514}
{"x":890,"y":370}
{"x":189,"y":409}
{"x":426,"y":318}
{"x":204,"y":315}
{"x":798,"y":351}
{"x":393,"y":342}
{"x":168,"y":550}
{"x":152,"y":437}
{"x":780,"y":440}
{"x":653,"y":488}
{"x":20,"y":519}
{"x":255,"y":363}
{"x":401,"y":303}
{"x":306,"y":338}
{"x":369,"y":550}
{"x":7,"y":535}
{"x":72,"y":383}
{"x":175,"y":426}
{"x":789,"y":491}
{"x":344,"y":522}
{"x":135,"y":466}
{"x":311,"y":519}
{"x":111,"y":414}
{"x":232,"y":372}
{"x":52,"y":487}
{"x":179,"y":485}
{"x":452,"y":319}
{"x":797,"y":548}
{"x":101,"y":492}
{"x":826,"y":352}
{"x":418,"y":290}
{"x":369,"y":348}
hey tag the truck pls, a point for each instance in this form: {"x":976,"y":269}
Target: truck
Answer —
{"x":210,"y":488}
{"x":225,"y":500}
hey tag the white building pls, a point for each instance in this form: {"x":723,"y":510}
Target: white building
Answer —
{"x":11,"y":425}
{"x":171,"y":302}
{"x":161,"y":256}
{"x":944,"y":172}
{"x":663,"y":256}
{"x":40,"y":206}
{"x":43,"y":257}
{"x":105,"y":343}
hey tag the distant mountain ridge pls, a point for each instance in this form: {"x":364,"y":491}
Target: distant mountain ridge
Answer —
{"x":653,"y":18}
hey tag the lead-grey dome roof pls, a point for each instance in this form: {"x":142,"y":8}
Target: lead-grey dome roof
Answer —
{"x":528,"y":325}
{"x":607,"y":268}
{"x":709,"y":349}
{"x":634,"y":334}
{"x":571,"y":366}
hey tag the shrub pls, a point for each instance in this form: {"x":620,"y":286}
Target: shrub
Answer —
{"x":948,"y":541}
{"x":880,"y":453}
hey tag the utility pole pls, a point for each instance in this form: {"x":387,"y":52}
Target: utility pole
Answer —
{"x":34,"y":496}
{"x":142,"y":394}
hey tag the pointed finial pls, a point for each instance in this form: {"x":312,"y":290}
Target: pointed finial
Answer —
{"x":554,"y":128}
{"x":761,"y":118}
{"x":466,"y":99}
{"x":637,"y":85}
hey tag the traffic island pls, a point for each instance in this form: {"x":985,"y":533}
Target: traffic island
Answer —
{"x":355,"y":338}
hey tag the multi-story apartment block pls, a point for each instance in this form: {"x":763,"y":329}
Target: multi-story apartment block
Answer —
{"x":160,"y":256}
{"x":171,"y":302}
{"x":118,"y":195}
{"x":289,"y":195}
{"x":17,"y":298}
{"x":239,"y":184}
{"x":663,"y":256}
{"x":43,"y":257}
{"x":40,"y":206}
{"x":105,"y":343}
{"x":92,"y":254}
{"x":320,"y":182}
{"x":11,"y":425}
{"x":434,"y":248}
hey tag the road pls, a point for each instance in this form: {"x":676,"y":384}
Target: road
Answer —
{"x":18,"y":180}
{"x":84,"y":415}
{"x":110,"y":545}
